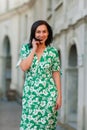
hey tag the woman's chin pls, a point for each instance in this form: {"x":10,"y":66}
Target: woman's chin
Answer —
{"x":41,"y":42}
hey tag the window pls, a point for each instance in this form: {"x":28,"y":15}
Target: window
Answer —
{"x":7,"y":5}
{"x":49,"y":5}
{"x":25,"y":26}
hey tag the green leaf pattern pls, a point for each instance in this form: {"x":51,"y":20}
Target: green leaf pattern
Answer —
{"x":39,"y":91}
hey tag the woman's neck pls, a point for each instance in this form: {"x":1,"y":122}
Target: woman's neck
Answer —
{"x":41,"y":47}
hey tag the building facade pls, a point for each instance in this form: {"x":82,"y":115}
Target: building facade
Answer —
{"x":68,"y":19}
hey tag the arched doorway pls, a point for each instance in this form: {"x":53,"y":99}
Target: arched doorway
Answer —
{"x":7,"y":64}
{"x":72,"y":87}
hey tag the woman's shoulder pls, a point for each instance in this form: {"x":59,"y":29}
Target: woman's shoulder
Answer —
{"x":25,"y":46}
{"x":53,"y":49}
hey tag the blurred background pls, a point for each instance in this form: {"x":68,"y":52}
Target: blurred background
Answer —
{"x":68,"y":19}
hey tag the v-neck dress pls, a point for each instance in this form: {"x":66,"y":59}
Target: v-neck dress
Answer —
{"x":39,"y":91}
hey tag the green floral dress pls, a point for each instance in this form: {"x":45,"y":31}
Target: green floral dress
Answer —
{"x":39,"y":91}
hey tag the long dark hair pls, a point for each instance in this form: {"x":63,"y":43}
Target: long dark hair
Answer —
{"x":33,"y":29}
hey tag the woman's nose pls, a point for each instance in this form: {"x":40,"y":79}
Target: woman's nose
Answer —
{"x":41,"y":34}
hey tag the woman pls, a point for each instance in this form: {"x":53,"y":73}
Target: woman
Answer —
{"x":42,"y":87}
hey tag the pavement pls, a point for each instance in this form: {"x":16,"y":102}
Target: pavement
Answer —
{"x":10,"y":113}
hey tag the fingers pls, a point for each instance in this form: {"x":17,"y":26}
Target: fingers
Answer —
{"x":34,"y":44}
{"x":57,"y":106}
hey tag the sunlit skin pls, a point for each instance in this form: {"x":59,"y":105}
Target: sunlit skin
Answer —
{"x":38,"y":48}
{"x":42,"y":34}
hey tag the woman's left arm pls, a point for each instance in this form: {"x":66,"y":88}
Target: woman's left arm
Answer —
{"x":57,"y":80}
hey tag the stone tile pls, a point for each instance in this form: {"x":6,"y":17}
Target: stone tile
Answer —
{"x":9,"y":115}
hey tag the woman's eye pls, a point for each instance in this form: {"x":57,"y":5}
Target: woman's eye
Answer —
{"x":41,"y":32}
{"x":38,"y":32}
{"x":44,"y":31}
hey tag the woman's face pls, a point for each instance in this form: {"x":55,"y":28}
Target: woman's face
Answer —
{"x":41,"y":33}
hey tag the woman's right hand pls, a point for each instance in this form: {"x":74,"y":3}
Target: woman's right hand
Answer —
{"x":26,"y":63}
{"x":35,"y":44}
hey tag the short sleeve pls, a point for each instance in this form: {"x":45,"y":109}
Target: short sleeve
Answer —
{"x":23,"y":53}
{"x":55,"y":61}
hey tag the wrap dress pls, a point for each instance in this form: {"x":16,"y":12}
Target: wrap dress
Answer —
{"x":39,"y":90}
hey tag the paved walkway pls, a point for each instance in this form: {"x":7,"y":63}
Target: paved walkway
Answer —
{"x":10,"y":113}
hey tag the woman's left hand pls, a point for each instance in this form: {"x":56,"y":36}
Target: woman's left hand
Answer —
{"x":58,"y":103}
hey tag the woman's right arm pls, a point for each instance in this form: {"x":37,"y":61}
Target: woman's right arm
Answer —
{"x":26,"y":63}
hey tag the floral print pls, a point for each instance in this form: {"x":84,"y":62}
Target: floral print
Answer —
{"x":39,"y":91}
